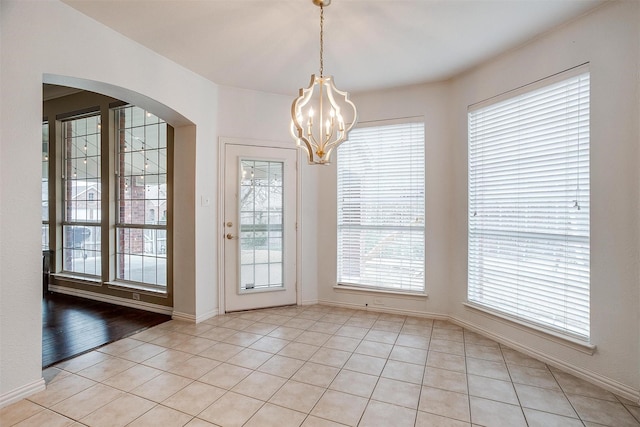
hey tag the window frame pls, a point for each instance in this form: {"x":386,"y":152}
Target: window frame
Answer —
{"x":70,"y":226}
{"x":121,"y":228}
{"x":413,"y":124}
{"x":575,"y":334}
{"x":45,"y":192}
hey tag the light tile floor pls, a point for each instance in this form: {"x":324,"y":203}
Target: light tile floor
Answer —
{"x":314,"y":366}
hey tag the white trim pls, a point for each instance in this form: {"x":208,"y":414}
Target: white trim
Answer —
{"x":221,"y":190}
{"x":22,"y":392}
{"x":141,"y":305}
{"x":531,"y":328}
{"x":389,"y":310}
{"x":612,"y":385}
{"x":310,"y":302}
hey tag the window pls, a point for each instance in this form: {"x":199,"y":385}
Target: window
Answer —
{"x":45,"y":186}
{"x":81,"y":240}
{"x":142,"y":195}
{"x":529,"y":204}
{"x":381,"y":235}
{"x":112,"y":214}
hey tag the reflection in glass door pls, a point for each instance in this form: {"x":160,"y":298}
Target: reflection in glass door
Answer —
{"x":261,"y":225}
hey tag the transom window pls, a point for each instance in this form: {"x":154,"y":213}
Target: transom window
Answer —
{"x":529,"y":204}
{"x":381,"y":205}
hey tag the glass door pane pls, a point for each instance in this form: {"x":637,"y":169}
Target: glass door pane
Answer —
{"x":261,"y":225}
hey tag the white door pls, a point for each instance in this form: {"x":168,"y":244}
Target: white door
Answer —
{"x":259,"y":227}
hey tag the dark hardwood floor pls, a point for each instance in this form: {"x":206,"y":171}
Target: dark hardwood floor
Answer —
{"x":72,"y":325}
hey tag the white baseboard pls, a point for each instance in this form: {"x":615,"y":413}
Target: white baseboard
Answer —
{"x":310,"y":302}
{"x":186,"y":317}
{"x":155,"y":308}
{"x":22,"y":392}
{"x":380,"y":309}
{"x":606,"y":383}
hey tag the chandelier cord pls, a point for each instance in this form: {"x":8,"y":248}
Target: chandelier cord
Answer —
{"x":321,"y":40}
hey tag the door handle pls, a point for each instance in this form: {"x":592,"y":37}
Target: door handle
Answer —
{"x":231,"y":236}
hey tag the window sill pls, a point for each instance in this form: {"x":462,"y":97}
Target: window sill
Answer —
{"x":136,"y":287}
{"x":551,"y":335}
{"x":76,"y":278}
{"x":357,"y":289}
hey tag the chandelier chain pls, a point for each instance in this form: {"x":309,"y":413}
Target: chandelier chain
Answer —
{"x":321,"y":40}
{"x":317,"y":122}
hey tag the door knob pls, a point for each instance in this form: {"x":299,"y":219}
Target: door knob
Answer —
{"x":231,"y":236}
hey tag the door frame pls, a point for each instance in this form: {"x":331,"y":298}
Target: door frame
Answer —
{"x":223,"y":142}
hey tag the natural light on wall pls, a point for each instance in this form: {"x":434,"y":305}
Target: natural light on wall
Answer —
{"x":381,"y":205}
{"x":529,"y":204}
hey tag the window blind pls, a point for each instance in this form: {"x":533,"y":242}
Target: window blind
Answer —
{"x":381,"y":207}
{"x":528,"y":253}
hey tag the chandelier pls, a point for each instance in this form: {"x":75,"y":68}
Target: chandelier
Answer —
{"x":317,"y":122}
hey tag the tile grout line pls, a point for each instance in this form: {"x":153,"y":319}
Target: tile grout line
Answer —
{"x":504,"y":360}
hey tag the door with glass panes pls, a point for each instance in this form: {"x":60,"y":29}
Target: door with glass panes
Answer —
{"x":259,"y":227}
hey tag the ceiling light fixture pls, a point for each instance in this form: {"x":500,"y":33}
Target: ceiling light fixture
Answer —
{"x":317,"y":121}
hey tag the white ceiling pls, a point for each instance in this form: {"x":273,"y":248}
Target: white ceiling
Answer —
{"x":273,"y":46}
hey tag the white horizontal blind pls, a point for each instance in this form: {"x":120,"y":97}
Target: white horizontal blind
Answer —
{"x":529,"y":206}
{"x":381,"y":207}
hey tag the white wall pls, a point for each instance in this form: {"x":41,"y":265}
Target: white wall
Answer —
{"x":431,"y":103}
{"x":49,"y":40}
{"x":609,"y":40}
